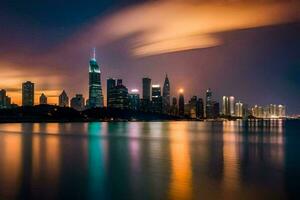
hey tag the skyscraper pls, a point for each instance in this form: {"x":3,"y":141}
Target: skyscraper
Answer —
{"x":5,"y":101}
{"x":43,"y":99}
{"x":2,"y":99}
{"x":95,"y":89}
{"x":231,"y":105}
{"x":239,"y":109}
{"x":28,"y":93}
{"x":225,"y":106}
{"x":111,"y":83}
{"x":216,"y":109}
{"x":174,"y":107}
{"x":209,"y":104}
{"x":192,"y":106}
{"x":119,"y":96}
{"x":146,"y":88}
{"x":181,"y":104}
{"x":63,"y":99}
{"x":134,"y":100}
{"x":166,"y":95}
{"x":77,"y":102}
{"x":200,"y":109}
{"x":156,"y":99}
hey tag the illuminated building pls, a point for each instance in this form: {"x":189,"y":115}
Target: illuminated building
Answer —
{"x":209,"y":113}
{"x":269,"y":111}
{"x":77,"y":102}
{"x":166,"y":95}
{"x":192,"y":107}
{"x":134,"y":100}
{"x":110,"y":84}
{"x":95,"y":90}
{"x":43,"y":99}
{"x":156,"y":99}
{"x":28,"y":94}
{"x":225,"y":106}
{"x":63,"y":99}
{"x":231,"y":105}
{"x":181,"y":104}
{"x":281,"y":111}
{"x":119,"y":96}
{"x":239,"y":109}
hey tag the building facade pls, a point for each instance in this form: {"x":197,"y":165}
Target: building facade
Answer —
{"x":77,"y":102}
{"x":5,"y":101}
{"x":43,"y":99}
{"x":181,"y":105}
{"x":166,"y":96}
{"x":156,"y":99}
{"x":95,"y":88}
{"x":28,"y":94}
{"x":209,"y":112}
{"x":134,"y":100}
{"x":119,"y":96}
{"x":146,"y":88}
{"x":63,"y":99}
{"x":110,"y":84}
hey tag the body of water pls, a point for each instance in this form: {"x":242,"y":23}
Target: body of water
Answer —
{"x":150,"y":160}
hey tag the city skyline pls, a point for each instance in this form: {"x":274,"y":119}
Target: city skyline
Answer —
{"x":259,"y":53}
{"x":155,"y":98}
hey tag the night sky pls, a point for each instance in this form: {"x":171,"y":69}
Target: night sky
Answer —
{"x":248,"y":49}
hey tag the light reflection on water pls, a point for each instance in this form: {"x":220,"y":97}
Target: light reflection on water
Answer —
{"x":147,"y":160}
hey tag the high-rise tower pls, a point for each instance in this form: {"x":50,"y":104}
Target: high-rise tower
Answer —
{"x":209,"y":104}
{"x":28,"y":94}
{"x":181,"y":103}
{"x":95,"y":90}
{"x":166,"y":95}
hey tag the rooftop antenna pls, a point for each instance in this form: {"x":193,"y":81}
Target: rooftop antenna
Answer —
{"x":94,"y":54}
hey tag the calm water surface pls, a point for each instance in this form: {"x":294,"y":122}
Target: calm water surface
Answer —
{"x":149,"y":160}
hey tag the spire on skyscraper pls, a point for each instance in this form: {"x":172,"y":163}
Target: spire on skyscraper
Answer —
{"x":94,"y":54}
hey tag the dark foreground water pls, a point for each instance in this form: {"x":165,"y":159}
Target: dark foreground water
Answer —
{"x":150,"y":160}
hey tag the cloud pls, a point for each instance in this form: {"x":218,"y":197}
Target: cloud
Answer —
{"x":172,"y":26}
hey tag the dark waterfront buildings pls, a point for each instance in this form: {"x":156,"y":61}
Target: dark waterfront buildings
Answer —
{"x":28,"y":93}
{"x":95,"y":89}
{"x":110,"y":84}
{"x":119,"y":96}
{"x":43,"y":99}
{"x":63,"y":99}
{"x":166,"y":96}
{"x":209,"y":114}
{"x":216,"y":109}
{"x":146,"y":88}
{"x":77,"y":102}
{"x":146,"y":101}
{"x":156,"y":99}
{"x":134,"y":100}
{"x":181,"y":104}
{"x":200,"y":109}
{"x":5,"y":101}
{"x":174,"y":107}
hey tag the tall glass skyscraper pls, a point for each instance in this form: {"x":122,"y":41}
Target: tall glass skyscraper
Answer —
{"x":209,"y":104}
{"x":181,"y":104}
{"x":28,"y":93}
{"x":95,"y":89}
{"x":166,"y":95}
